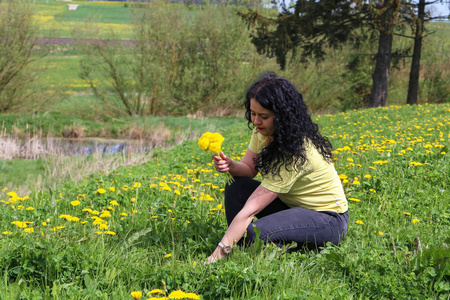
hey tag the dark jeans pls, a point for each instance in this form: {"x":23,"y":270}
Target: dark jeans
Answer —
{"x":282,"y":225}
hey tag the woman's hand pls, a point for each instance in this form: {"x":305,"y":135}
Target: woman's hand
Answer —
{"x":215,"y":256}
{"x":222,"y":163}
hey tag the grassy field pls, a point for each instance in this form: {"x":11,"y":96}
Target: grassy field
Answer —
{"x":56,"y":20}
{"x":151,"y":226}
{"x":100,"y":228}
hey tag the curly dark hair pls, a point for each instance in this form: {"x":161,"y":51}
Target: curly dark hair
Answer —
{"x":293,"y":125}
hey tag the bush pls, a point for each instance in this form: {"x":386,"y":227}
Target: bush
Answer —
{"x":180,"y":60}
{"x":17,"y":50}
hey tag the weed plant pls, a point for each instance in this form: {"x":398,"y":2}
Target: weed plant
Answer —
{"x":151,"y":226}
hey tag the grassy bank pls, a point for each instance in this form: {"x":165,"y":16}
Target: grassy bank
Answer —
{"x":151,"y":226}
{"x":48,"y":171}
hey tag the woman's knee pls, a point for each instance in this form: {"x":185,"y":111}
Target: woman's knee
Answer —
{"x":241,"y":188}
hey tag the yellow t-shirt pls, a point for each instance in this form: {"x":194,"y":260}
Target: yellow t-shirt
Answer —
{"x":317,"y":186}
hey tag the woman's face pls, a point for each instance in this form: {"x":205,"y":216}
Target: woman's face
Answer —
{"x":262,"y":118}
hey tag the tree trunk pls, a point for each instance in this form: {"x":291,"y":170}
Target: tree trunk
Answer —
{"x":380,"y":76}
{"x":413,"y":86}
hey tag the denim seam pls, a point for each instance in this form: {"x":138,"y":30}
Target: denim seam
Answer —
{"x":294,"y":228}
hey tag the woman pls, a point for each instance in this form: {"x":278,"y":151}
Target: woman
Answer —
{"x":300,"y":198}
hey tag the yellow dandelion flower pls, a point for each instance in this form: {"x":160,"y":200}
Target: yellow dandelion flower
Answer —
{"x":354,"y":199}
{"x":192,"y":296}
{"x":217,"y":138}
{"x":215,"y":147}
{"x":114,"y":202}
{"x":105,"y":214}
{"x":359,"y":222}
{"x":155,"y":291}
{"x":203,"y":143}
{"x":415,"y":221}
{"x":342,"y":177}
{"x":168,"y":255}
{"x":380,"y":233}
{"x":177,"y":295}
{"x":136,"y":294}
{"x":101,"y":191}
{"x":75,"y":203}
{"x":406,"y":213}
{"x":21,"y":224}
{"x":6,"y":232}
{"x":12,"y":194}
{"x":207,"y":135}
{"x":110,"y":232}
{"x":29,"y":229}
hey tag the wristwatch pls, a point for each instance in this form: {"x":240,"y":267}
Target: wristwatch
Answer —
{"x":226,"y":248}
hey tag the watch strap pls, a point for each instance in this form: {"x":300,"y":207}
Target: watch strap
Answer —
{"x":226,"y":248}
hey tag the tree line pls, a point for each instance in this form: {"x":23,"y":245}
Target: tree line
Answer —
{"x":180,"y":62}
{"x":307,"y":27}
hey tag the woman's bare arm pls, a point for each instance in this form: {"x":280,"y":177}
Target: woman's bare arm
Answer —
{"x":244,"y":168}
{"x":259,"y":200}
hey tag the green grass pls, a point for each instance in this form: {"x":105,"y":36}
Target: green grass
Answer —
{"x":13,"y":172}
{"x":92,"y":12}
{"x":158,"y":230}
{"x":56,"y":20}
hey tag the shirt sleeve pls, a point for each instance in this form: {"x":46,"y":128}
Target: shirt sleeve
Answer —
{"x":257,"y":141}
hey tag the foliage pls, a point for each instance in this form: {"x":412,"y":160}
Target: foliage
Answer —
{"x":18,"y":49}
{"x":310,"y":27}
{"x":151,"y":226}
{"x":178,"y":62}
{"x":328,"y":86}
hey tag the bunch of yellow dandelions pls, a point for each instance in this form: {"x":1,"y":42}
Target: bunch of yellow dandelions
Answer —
{"x":213,"y":142}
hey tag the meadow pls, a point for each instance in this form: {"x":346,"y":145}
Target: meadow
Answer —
{"x":118,"y":227}
{"x":144,"y":231}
